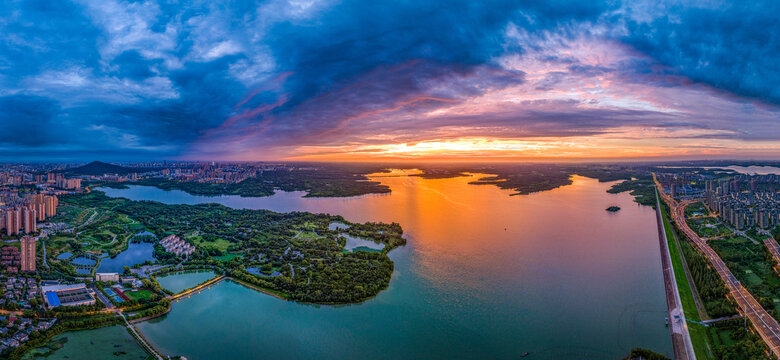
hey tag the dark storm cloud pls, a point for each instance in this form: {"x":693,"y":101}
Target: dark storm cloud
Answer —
{"x":731,"y":45}
{"x":165,"y":79}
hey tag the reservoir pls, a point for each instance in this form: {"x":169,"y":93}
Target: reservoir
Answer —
{"x":483,"y":275}
{"x":136,"y":253}
{"x":180,"y":281}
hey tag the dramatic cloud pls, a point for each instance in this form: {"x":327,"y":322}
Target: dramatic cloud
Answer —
{"x":328,"y":79}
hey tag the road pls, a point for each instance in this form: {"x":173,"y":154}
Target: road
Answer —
{"x":102,"y":297}
{"x":766,"y":326}
{"x":681,"y":338}
{"x":774,"y":248}
{"x":141,"y":339}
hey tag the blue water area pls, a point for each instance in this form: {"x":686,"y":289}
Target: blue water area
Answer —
{"x":83,"y":261}
{"x":355,"y":243}
{"x":136,"y":253}
{"x":484,"y":275}
{"x":64,"y":256}
{"x":83,"y":271}
{"x":256,"y":271}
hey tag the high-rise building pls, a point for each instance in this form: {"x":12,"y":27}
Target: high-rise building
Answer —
{"x":28,"y":253}
{"x":51,"y":205}
{"x":40,"y":210}
{"x":12,"y":222}
{"x":30,"y":220}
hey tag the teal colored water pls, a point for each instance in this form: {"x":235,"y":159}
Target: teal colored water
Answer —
{"x":111,"y":342}
{"x":356,"y":243}
{"x":136,"y":253}
{"x":179,"y":282}
{"x":484,"y":275}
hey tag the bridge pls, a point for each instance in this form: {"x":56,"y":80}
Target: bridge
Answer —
{"x":198,"y":288}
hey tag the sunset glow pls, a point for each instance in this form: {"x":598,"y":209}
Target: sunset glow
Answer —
{"x":309,"y":80}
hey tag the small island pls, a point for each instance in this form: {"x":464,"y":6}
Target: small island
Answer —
{"x":613,"y":208}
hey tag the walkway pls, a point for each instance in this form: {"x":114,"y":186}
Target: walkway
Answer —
{"x":766,"y":326}
{"x":197,"y":288}
{"x":141,"y":339}
{"x":681,"y":338}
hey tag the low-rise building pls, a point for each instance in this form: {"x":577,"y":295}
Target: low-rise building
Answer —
{"x":67,"y":295}
{"x":107,"y":277}
{"x":176,"y":245}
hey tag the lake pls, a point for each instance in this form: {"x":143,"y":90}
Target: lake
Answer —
{"x":178,"y":282}
{"x":136,"y":253}
{"x":484,"y":275}
{"x":750,"y":170}
{"x":111,"y":342}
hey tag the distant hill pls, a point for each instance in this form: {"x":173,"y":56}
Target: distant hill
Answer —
{"x":101,"y":168}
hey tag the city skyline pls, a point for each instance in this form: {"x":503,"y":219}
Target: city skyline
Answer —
{"x":326,"y":80}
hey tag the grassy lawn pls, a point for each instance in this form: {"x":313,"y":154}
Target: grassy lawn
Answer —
{"x":686,"y":296}
{"x":307,"y":236}
{"x":708,"y":227}
{"x":696,"y":209}
{"x":226,"y":257}
{"x":220,"y":244}
{"x":699,"y":339}
{"x":139,"y":294}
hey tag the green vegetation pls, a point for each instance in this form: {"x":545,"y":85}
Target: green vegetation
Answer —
{"x":140,"y":295}
{"x":698,"y":333}
{"x":696,"y":209}
{"x":65,"y":322}
{"x":731,"y":340}
{"x":643,"y":191}
{"x":644,"y":354}
{"x":613,"y":208}
{"x":93,"y":232}
{"x":105,"y":343}
{"x":686,"y":295}
{"x":327,"y":181}
{"x":307,"y":254}
{"x":752,"y":264}
{"x":527,"y":179}
{"x":710,"y":287}
{"x":709,"y":227}
{"x":723,"y":339}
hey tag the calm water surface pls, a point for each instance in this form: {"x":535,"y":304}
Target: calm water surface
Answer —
{"x":751,"y":170}
{"x":484,"y":275}
{"x":179,"y":282}
{"x":136,"y":253}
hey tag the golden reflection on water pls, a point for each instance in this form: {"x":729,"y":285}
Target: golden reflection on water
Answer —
{"x":462,"y":233}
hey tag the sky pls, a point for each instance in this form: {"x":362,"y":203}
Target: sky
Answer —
{"x":375,"y":80}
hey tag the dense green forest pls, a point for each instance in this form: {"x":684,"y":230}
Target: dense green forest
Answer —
{"x":298,"y":254}
{"x":643,"y":191}
{"x":332,"y":182}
